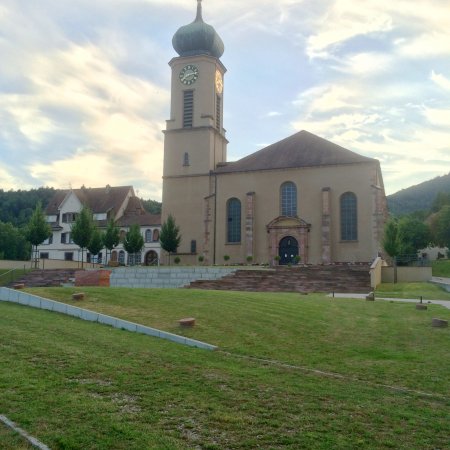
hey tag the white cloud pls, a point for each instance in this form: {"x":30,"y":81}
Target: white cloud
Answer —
{"x":440,"y":80}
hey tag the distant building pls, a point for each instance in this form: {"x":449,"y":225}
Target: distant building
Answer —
{"x":117,"y":203}
{"x":300,"y":198}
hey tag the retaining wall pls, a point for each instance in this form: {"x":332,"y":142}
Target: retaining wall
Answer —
{"x":23,"y":298}
{"x":164,"y":277}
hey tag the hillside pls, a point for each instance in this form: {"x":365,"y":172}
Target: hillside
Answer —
{"x":418,"y":197}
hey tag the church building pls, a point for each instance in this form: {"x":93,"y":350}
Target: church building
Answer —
{"x":303,"y":198}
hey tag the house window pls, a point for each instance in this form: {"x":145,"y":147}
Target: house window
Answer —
{"x":188,"y":108}
{"x":233,"y":220}
{"x":193,"y":246}
{"x":148,"y":235}
{"x":156,"y":236}
{"x":50,"y":239}
{"x":68,"y":256}
{"x":218,"y":112}
{"x":349,"y":214}
{"x":43,"y":255}
{"x":288,"y":196}
{"x":121,"y":257}
{"x":186,"y":159}
{"x":63,"y":238}
{"x":69,"y":217}
{"x":122,"y":235}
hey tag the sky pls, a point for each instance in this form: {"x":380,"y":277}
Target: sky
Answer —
{"x":85,"y":84}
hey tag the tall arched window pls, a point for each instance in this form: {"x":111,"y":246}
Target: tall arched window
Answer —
{"x":148,"y":235}
{"x":233,"y":220}
{"x":349,"y":217}
{"x":288,"y":199}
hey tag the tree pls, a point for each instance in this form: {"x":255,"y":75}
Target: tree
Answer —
{"x":170,"y":237}
{"x":37,"y":230}
{"x":13,"y":243}
{"x":441,"y":227}
{"x":134,"y":242}
{"x":82,"y":230}
{"x":412,"y":235}
{"x":96,"y":242}
{"x":111,"y":238}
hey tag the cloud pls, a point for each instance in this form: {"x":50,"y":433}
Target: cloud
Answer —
{"x":441,"y":80}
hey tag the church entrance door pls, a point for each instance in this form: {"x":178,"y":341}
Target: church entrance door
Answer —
{"x":288,"y":250}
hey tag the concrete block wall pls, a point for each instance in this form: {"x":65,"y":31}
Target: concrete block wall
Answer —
{"x":23,"y":298}
{"x":164,"y":277}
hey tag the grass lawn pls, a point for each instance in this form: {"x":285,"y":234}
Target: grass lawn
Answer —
{"x":79,"y":385}
{"x":428,"y":291}
{"x":441,"y":268}
{"x":12,"y":440}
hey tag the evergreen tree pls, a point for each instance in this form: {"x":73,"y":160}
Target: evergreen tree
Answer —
{"x":134,"y":242}
{"x":96,"y":242}
{"x":37,"y":230}
{"x":170,"y":237}
{"x":82,"y":230}
{"x":111,"y":238}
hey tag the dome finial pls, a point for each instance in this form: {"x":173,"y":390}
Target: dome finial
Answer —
{"x":199,"y":17}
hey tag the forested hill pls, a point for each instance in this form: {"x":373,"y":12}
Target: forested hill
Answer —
{"x":16,"y":207}
{"x":419,"y":197}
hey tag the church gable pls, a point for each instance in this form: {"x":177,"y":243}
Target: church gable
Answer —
{"x":302,"y":149}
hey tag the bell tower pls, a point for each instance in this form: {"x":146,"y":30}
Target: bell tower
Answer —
{"x":194,"y":142}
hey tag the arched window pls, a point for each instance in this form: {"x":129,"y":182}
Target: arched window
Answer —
{"x":148,"y":235}
{"x":233,"y":220}
{"x":122,"y":235}
{"x":121,"y":257}
{"x":349,"y":217}
{"x":156,"y":236}
{"x":288,"y":194}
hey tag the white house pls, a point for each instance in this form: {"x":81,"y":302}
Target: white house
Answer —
{"x":117,"y":203}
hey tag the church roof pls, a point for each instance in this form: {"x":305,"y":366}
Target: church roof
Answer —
{"x":302,"y":149}
{"x":198,"y":38}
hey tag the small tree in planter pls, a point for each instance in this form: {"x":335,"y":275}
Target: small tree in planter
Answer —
{"x":297,"y":259}
{"x":226,"y":258}
{"x":249,"y":259}
{"x":201,"y":258}
{"x":277,"y":259}
{"x":177,"y":260}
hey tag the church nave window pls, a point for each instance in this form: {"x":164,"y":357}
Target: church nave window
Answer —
{"x":349,"y":217}
{"x":188,"y":109}
{"x":288,"y":194}
{"x":233,"y":220}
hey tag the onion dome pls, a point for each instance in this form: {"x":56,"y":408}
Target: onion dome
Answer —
{"x":198,"y":38}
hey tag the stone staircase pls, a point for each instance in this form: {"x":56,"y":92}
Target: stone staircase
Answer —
{"x":334,"y":278}
{"x":46,"y":278}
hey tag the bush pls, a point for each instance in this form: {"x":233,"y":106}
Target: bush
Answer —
{"x":226,"y":257}
{"x":201,"y":258}
{"x":249,"y":259}
{"x":177,"y":260}
{"x":297,"y":259}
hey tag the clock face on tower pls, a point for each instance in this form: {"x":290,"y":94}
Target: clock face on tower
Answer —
{"x":189,"y":74}
{"x":219,"y":82}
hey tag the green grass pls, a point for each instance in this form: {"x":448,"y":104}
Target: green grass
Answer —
{"x":441,"y":268}
{"x":12,"y":440}
{"x":78,"y":385}
{"x":428,"y":291}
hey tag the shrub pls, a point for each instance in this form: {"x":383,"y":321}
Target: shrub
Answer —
{"x":249,"y":259}
{"x":177,"y":260}
{"x":226,"y":257}
{"x":201,"y":258}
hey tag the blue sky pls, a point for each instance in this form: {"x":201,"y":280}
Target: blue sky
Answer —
{"x":84,"y":85}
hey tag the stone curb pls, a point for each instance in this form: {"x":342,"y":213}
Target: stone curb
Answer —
{"x":25,"y":299}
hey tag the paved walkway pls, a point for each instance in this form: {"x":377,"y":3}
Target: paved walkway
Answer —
{"x":444,"y":303}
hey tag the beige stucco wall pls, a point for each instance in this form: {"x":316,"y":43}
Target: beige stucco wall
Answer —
{"x":406,"y":274}
{"x":357,"y":178}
